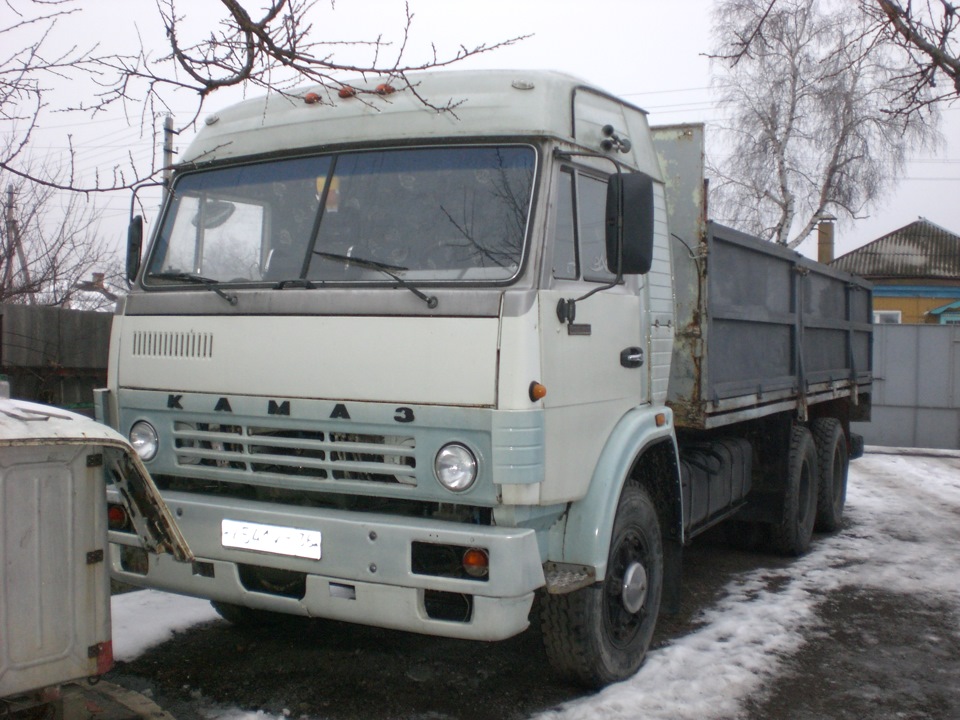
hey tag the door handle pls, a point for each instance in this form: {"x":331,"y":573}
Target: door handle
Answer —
{"x":631,"y":357}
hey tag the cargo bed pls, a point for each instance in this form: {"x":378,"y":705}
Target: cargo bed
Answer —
{"x":760,"y":329}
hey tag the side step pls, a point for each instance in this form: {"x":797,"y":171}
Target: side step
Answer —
{"x":564,"y":578}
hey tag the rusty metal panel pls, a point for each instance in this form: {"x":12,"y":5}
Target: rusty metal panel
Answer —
{"x":680,"y":150}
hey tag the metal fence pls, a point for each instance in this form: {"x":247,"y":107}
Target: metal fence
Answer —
{"x":55,"y":356}
{"x":916,"y":388}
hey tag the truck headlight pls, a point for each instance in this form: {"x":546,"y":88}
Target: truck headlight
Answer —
{"x":456,"y":467}
{"x":143,"y":437}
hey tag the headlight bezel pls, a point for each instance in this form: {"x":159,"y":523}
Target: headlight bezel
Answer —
{"x":458,"y":463}
{"x":144,"y":439}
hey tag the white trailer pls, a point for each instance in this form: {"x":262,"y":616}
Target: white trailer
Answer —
{"x":417,"y":369}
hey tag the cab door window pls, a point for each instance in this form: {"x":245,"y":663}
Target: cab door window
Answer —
{"x":580,"y":231}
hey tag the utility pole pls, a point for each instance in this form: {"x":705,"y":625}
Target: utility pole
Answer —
{"x":11,"y":228}
{"x":168,"y":134}
{"x":14,"y":246}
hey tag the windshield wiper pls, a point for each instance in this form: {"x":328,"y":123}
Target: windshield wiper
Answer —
{"x":196,"y":279}
{"x":295,"y":282}
{"x":430,"y":300}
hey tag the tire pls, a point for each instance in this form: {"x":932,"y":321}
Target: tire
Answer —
{"x":792,"y":536}
{"x":832,"y":465}
{"x":245,"y":617}
{"x":590,"y":635}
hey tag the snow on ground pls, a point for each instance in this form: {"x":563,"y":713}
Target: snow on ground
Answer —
{"x":147,"y":618}
{"x":902,"y":535}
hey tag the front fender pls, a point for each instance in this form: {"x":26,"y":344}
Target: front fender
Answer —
{"x":583,"y":536}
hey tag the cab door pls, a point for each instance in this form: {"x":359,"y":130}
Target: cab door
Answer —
{"x":593,"y":364}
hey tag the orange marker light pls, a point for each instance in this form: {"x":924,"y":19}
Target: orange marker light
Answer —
{"x":385,"y":89}
{"x":661,"y":419}
{"x":346,"y":92}
{"x":537,"y":391}
{"x":310,"y":98}
{"x":476,"y":562}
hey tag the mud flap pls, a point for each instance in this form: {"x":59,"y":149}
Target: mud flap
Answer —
{"x":672,"y":577}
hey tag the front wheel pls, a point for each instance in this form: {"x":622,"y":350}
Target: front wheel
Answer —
{"x":600,"y":634}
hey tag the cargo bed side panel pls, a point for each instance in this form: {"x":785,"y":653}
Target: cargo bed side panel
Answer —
{"x":776,"y":332}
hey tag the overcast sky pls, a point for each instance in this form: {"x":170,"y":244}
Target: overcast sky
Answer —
{"x":650,"y":52}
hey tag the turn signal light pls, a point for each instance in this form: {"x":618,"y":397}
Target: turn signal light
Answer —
{"x":476,"y":562}
{"x":537,"y":391}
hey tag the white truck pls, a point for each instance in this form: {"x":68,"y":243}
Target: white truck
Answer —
{"x":417,"y":369}
{"x":54,"y":581}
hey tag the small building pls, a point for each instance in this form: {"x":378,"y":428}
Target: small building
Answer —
{"x":915,"y":271}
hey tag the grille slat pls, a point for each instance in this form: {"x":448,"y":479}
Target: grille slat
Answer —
{"x":238,"y":450}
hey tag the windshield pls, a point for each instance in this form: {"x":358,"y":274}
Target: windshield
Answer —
{"x":425,"y":214}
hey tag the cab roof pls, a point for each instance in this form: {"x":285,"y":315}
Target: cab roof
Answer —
{"x":442,"y":104}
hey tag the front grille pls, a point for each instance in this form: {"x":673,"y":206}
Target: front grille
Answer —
{"x":318,"y":454}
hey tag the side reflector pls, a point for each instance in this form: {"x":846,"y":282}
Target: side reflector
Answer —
{"x":661,"y":419}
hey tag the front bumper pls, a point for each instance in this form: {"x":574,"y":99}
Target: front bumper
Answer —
{"x":365,"y":572}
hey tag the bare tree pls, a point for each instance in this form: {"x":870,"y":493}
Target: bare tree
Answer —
{"x":277,"y":48}
{"x":50,"y":253}
{"x":927,"y":31}
{"x":808,"y":130}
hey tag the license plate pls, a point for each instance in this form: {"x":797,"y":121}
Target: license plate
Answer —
{"x":274,"y":539}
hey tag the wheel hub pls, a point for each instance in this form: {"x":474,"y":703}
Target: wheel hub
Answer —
{"x":634,"y":591}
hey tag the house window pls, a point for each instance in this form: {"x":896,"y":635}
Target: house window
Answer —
{"x":886,"y":317}
{"x":950,"y":319}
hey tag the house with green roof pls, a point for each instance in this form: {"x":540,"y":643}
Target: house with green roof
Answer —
{"x":915,"y":271}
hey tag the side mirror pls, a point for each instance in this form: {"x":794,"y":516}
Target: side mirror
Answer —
{"x":629,"y":221}
{"x":134,"y":246}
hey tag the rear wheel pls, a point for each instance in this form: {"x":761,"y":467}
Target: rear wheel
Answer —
{"x":832,"y":465}
{"x":793,"y":534}
{"x":600,"y":634}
